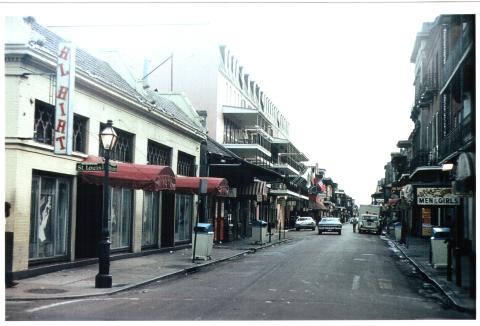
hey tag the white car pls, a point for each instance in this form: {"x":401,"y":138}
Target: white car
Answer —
{"x":304,"y":222}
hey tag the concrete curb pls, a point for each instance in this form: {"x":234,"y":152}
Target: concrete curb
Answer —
{"x":188,"y":270}
{"x":446,"y":292}
{"x":132,"y":286}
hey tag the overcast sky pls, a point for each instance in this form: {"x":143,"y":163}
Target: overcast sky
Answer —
{"x":340,"y":73}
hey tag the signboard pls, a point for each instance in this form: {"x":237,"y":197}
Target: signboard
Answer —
{"x":436,"y":197}
{"x":95,"y":167}
{"x":427,"y":222}
{"x":64,"y":99}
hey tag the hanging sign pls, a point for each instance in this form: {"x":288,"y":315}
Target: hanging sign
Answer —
{"x":436,"y":197}
{"x":64,"y":99}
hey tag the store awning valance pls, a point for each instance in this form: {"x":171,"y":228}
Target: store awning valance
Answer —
{"x":133,"y":176}
{"x":215,"y":186}
{"x":256,"y":188}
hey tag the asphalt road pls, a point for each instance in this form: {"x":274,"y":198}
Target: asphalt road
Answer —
{"x":313,"y":277}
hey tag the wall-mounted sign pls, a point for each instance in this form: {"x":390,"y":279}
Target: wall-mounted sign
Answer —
{"x":64,"y":99}
{"x":81,"y":167}
{"x":436,"y":197}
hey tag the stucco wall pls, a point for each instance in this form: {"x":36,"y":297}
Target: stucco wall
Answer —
{"x":23,"y":154}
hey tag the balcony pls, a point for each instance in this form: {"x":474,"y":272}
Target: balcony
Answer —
{"x":426,"y":89}
{"x":252,"y":142}
{"x":420,"y":158}
{"x":457,"y":55}
{"x":456,"y":139}
{"x":287,"y":165}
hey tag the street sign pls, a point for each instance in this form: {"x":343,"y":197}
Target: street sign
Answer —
{"x":82,"y":167}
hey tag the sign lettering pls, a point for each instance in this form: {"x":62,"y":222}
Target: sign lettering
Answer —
{"x":64,"y":99}
{"x":436,"y":197}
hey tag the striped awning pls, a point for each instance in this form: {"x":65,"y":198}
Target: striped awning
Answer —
{"x":190,"y":185}
{"x":257,"y":188}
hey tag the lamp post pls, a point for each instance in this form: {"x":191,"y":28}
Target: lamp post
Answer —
{"x":103,"y":279}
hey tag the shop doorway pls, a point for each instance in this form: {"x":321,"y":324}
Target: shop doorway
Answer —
{"x":167,"y":216}
{"x":88,"y":225}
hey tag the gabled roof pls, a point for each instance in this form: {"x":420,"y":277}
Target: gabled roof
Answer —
{"x":102,"y":71}
{"x":94,"y":67}
{"x":168,"y":106}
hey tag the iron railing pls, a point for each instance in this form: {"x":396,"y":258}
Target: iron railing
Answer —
{"x":456,"y":138}
{"x":251,"y":138}
{"x":456,"y":54}
{"x":420,"y":158}
{"x":425,"y":89}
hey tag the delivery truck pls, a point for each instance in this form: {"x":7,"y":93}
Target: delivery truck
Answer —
{"x":369,"y":219}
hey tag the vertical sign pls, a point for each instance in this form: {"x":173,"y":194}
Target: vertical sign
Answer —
{"x":64,"y":99}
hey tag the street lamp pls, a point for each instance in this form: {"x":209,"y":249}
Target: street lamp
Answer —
{"x":103,"y":279}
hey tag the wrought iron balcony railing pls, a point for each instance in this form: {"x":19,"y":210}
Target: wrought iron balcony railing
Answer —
{"x":464,"y":43}
{"x":456,"y":139}
{"x":426,"y":89}
{"x":420,"y":158}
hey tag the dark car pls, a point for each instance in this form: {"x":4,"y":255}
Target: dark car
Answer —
{"x":330,"y":224}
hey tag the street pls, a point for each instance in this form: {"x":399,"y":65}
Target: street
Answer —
{"x":312,"y":277}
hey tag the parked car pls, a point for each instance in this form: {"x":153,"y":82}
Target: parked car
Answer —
{"x":304,"y":222}
{"x":330,"y":224}
{"x":369,"y":223}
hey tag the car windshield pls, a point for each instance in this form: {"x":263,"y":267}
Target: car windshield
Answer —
{"x":331,"y":219}
{"x":303,"y":218}
{"x":370,"y":217}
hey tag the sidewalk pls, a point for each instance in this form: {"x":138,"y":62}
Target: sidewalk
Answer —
{"x":418,"y":253}
{"x":127,"y":273}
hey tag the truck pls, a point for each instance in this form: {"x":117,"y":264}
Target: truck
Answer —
{"x":369,"y":219}
{"x":370,"y":209}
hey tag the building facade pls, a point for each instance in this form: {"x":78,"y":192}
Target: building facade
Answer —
{"x":56,"y":209}
{"x":438,"y":157}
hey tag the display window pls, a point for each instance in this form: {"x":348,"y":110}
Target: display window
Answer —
{"x":183,"y":217}
{"x":49,"y":217}
{"x":121,"y":215}
{"x":151,"y":204}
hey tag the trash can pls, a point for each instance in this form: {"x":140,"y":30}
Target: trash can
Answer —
{"x":398,"y":230}
{"x":439,"y":247}
{"x":259,"y":232}
{"x":204,"y":243}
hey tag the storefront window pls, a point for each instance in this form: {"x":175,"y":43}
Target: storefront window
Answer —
{"x":150,"y":218}
{"x":49,"y":217}
{"x":121,"y":218}
{"x":183,"y":217}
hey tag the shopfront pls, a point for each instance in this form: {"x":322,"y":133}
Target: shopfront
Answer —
{"x":215,"y":192}
{"x":155,"y":181}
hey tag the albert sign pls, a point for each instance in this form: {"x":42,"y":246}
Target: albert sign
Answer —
{"x":436,"y":197}
{"x":64,"y":99}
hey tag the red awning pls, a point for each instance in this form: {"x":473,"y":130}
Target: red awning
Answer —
{"x":215,"y":186}
{"x":134,"y":176}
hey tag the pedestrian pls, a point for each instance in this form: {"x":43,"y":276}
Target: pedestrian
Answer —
{"x":354,"y":223}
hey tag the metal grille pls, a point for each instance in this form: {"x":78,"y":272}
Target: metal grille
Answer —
{"x":123,"y":150}
{"x":79,"y":133}
{"x":159,"y":154}
{"x":43,"y":129}
{"x":186,"y":164}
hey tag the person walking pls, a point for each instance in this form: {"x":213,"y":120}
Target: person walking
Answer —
{"x":354,"y":223}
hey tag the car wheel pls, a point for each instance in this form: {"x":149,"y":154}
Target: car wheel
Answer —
{"x":320,"y":232}
{"x":313,"y":229}
{"x":297,"y":229}
{"x":339,"y":232}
